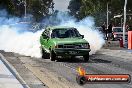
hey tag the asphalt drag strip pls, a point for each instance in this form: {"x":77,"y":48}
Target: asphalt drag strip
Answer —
{"x":62,"y":74}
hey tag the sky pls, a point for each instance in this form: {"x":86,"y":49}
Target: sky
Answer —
{"x":61,"y":5}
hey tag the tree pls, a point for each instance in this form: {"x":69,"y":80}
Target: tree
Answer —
{"x":74,"y":7}
{"x":38,"y":8}
{"x":8,"y":5}
{"x":98,"y":8}
{"x":89,"y":7}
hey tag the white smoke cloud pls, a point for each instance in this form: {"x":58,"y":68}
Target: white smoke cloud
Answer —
{"x":26,"y":43}
{"x":16,"y":38}
{"x":87,"y":28}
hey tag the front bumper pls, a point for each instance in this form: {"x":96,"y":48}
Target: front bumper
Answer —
{"x":71,"y":52}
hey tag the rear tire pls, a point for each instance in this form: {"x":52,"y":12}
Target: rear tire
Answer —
{"x":86,"y":57}
{"x":52,"y":56}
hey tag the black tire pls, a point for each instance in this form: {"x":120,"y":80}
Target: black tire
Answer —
{"x":86,"y":57}
{"x":52,"y":56}
{"x":45,"y":55}
{"x":81,"y":80}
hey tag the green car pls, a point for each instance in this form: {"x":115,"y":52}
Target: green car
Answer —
{"x":58,"y":42}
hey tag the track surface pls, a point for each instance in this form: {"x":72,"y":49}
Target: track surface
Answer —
{"x":104,"y":61}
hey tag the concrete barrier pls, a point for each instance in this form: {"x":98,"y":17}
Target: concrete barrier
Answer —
{"x":13,"y":71}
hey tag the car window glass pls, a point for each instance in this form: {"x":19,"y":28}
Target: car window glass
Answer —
{"x":117,"y":30}
{"x":65,"y":33}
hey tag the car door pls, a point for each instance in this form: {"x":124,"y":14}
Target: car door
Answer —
{"x":44,"y":39}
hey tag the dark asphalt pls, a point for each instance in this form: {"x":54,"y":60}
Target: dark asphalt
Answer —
{"x":103,"y":62}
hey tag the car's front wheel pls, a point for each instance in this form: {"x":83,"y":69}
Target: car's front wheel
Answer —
{"x":52,"y":56}
{"x":45,"y":55}
{"x":86,"y":57}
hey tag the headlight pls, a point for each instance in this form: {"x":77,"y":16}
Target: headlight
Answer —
{"x":85,"y":45}
{"x":59,"y":46}
{"x":56,"y":46}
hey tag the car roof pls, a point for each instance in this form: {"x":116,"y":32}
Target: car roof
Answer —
{"x":58,"y":27}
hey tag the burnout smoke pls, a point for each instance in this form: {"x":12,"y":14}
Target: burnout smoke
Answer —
{"x":87,"y":28}
{"x":26,"y":43}
{"x":15,"y":37}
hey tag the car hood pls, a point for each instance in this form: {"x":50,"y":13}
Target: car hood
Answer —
{"x":69,"y":41}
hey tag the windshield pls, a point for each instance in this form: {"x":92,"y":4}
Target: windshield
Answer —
{"x":65,"y":33}
{"x":117,"y":30}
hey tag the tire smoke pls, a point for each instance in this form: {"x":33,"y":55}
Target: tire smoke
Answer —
{"x":86,"y":27}
{"x":16,"y":37}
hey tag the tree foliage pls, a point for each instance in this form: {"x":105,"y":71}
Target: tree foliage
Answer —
{"x":8,"y":4}
{"x":98,"y":8}
{"x":74,"y":7}
{"x":38,"y":8}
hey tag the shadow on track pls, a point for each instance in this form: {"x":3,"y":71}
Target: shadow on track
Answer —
{"x":93,"y":59}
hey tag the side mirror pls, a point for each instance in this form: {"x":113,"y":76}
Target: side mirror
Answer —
{"x":82,"y":36}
